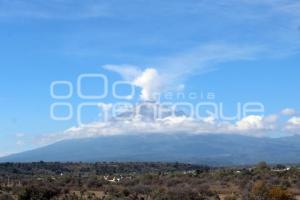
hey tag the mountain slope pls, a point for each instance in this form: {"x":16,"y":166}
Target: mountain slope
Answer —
{"x":200,"y":149}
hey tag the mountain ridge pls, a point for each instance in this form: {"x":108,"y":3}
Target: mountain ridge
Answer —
{"x":209,"y":149}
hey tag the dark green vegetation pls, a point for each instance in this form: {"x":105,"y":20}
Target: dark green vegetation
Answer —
{"x":162,"y":181}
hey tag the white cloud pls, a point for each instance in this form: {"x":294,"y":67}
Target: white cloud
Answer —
{"x":294,"y":121}
{"x":293,"y":124}
{"x":2,"y":154}
{"x":257,"y":125}
{"x":148,"y":79}
{"x":169,"y":73}
{"x":105,"y":106}
{"x":128,"y":72}
{"x":271,"y":118}
{"x":250,"y":125}
{"x":202,"y":59}
{"x":250,"y":122}
{"x":150,"y":82}
{"x":288,"y":111}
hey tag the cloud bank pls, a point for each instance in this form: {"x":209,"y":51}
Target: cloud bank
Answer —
{"x":252,"y":125}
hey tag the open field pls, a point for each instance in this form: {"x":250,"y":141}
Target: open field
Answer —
{"x":147,"y":181}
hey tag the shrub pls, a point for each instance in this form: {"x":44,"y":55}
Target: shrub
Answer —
{"x":278,"y":193}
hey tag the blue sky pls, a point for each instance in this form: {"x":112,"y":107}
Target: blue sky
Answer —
{"x":240,"y":50}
